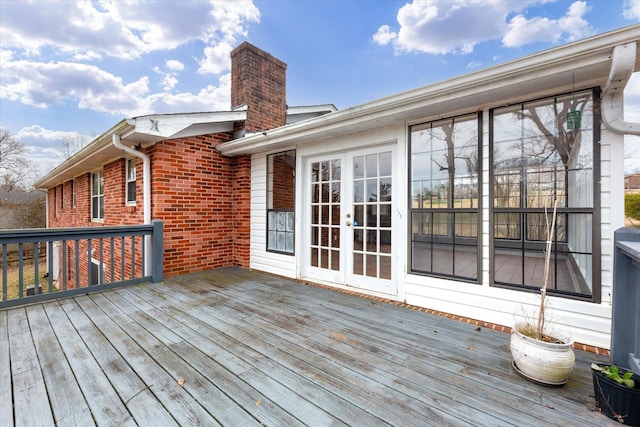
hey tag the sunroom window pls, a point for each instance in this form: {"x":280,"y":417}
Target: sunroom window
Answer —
{"x":281,"y":180}
{"x":445,"y":197}
{"x":542,"y":153}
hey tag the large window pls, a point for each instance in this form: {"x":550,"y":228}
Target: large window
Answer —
{"x":97,"y":196}
{"x":543,"y":153}
{"x":445,"y":197}
{"x":281,"y":180}
{"x":131,"y":181}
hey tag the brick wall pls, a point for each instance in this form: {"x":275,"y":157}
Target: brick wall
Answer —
{"x":193,"y":193}
{"x":202,"y":197}
{"x":259,"y":81}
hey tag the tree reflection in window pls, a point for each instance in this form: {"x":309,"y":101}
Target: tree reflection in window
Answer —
{"x":539,"y":158}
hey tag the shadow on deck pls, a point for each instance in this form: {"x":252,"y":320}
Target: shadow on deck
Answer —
{"x":235,"y":347}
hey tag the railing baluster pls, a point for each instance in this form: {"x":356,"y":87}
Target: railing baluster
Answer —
{"x":36,"y":265}
{"x":20,"y":272}
{"x":89,"y":261}
{"x":5,"y":267}
{"x":100,"y":272}
{"x":112,"y":260}
{"x":50,"y":265}
{"x":133,"y":256}
{"x":77,"y":259}
{"x":122,"y":257}
{"x":63,"y":269}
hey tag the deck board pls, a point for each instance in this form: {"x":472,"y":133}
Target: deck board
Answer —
{"x":138,"y":399}
{"x":30,"y":406}
{"x":67,"y":402}
{"x":6,"y":391}
{"x":105,"y":403}
{"x":254,"y":349}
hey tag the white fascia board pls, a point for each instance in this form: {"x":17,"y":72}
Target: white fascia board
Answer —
{"x":87,"y":159}
{"x":306,"y":109}
{"x":578,"y":65}
{"x":167,"y":126}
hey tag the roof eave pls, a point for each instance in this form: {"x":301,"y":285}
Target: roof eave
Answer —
{"x":574,"y":66}
{"x":144,"y":130}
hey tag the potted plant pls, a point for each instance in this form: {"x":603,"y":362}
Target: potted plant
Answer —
{"x":617,"y":393}
{"x":539,"y":354}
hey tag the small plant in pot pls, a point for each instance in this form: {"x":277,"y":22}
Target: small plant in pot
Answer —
{"x":540,"y":355}
{"x":617,"y":393}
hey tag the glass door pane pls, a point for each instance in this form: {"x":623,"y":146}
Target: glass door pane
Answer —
{"x":371,"y":181}
{"x":325,"y":214}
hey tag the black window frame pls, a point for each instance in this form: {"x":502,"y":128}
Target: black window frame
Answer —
{"x":529,"y":246}
{"x":452,"y":239}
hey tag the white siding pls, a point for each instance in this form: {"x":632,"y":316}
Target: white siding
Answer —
{"x":283,"y":265}
{"x":586,"y":322}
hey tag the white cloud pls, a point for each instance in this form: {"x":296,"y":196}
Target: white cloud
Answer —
{"x":632,"y":9}
{"x":216,"y":59}
{"x":440,"y":27}
{"x":210,"y":98}
{"x":35,"y":132}
{"x":58,"y":83}
{"x":541,"y":29}
{"x":384,"y":36}
{"x":127,"y":30}
{"x":457,"y":26}
{"x":53,"y":83}
{"x":174,"y":65}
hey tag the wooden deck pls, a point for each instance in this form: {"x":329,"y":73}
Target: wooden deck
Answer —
{"x":233,"y":347}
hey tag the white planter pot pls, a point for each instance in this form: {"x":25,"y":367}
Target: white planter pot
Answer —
{"x":542,"y":362}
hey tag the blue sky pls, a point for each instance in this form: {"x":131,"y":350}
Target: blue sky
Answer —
{"x":74,"y":69}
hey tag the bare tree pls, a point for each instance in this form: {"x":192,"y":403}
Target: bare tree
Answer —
{"x":71,"y":144}
{"x":16,"y":171}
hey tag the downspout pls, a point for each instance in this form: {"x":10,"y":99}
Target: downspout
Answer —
{"x":146,"y":195}
{"x":623,"y":62}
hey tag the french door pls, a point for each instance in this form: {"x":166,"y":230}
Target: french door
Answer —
{"x":349,"y":221}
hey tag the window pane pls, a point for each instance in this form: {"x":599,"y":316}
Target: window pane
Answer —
{"x":543,"y":154}
{"x":281,"y":201}
{"x":445,"y":198}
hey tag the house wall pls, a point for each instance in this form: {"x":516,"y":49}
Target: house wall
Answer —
{"x":203,"y":198}
{"x":197,"y":193}
{"x":586,"y":322}
{"x":260,"y":259}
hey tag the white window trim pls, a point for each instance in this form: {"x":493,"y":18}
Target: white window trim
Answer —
{"x":73,"y":193}
{"x":128,"y":180}
{"x":93,"y":175}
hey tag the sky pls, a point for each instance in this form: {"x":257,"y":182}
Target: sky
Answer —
{"x":71,"y":70}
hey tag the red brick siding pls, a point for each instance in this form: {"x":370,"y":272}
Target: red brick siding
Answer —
{"x":202,"y":197}
{"x":259,"y":81}
{"x":194,"y":193}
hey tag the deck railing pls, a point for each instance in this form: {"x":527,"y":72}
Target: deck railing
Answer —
{"x":40,"y":264}
{"x":625,"y":325}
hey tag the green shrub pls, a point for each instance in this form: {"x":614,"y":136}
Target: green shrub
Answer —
{"x":632,"y":206}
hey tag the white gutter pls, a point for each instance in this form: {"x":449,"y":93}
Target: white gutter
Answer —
{"x":623,"y":63}
{"x":146,"y":194}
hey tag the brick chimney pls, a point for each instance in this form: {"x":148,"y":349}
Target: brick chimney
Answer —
{"x":259,"y":81}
